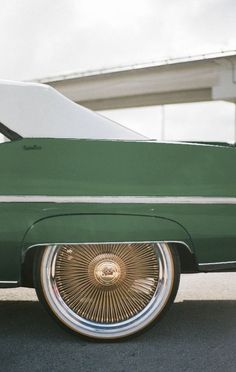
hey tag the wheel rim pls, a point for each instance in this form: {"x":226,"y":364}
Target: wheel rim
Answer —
{"x":107,"y":290}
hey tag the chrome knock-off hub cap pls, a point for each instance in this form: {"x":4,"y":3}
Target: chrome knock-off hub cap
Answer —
{"x":108,"y":269}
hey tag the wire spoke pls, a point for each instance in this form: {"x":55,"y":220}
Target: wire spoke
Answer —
{"x":107,"y":283}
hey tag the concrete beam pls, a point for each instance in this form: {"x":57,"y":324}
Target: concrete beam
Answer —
{"x":179,"y":82}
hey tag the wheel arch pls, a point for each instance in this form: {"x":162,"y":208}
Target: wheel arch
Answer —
{"x":94,"y":228}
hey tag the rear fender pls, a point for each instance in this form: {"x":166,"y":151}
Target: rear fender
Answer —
{"x":103,"y":228}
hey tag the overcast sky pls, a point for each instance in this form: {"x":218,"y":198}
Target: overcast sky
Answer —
{"x":43,"y":38}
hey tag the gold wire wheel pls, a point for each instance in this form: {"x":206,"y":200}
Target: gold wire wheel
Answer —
{"x":107,"y":290}
{"x":107,"y":283}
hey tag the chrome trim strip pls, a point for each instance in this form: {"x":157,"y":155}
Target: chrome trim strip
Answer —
{"x":108,"y":242}
{"x":217,"y":266}
{"x":117,"y":199}
{"x":217,"y":263}
{"x":8,"y":282}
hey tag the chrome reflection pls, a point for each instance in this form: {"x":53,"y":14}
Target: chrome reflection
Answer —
{"x":107,"y":290}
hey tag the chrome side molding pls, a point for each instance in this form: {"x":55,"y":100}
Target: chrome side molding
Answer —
{"x":217,"y":266}
{"x":117,"y":199}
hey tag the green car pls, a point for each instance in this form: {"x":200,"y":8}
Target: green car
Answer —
{"x":102,"y":221}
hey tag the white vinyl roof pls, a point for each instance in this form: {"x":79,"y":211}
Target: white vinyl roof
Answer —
{"x":36,"y":110}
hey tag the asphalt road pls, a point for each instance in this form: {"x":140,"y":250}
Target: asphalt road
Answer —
{"x":197,"y":334}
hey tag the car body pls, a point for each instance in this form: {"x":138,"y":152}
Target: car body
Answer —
{"x":102,"y":220}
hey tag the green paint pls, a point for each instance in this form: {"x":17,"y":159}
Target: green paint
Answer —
{"x":82,"y":167}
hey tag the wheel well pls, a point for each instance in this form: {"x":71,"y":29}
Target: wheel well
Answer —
{"x":27,"y":267}
{"x":188,"y":263}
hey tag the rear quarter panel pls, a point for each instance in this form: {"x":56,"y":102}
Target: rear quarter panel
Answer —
{"x":110,"y":168}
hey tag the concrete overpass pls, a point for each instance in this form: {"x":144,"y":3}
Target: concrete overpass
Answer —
{"x":192,"y":79}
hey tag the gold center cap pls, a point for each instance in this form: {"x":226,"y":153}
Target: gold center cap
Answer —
{"x":107,"y":272}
